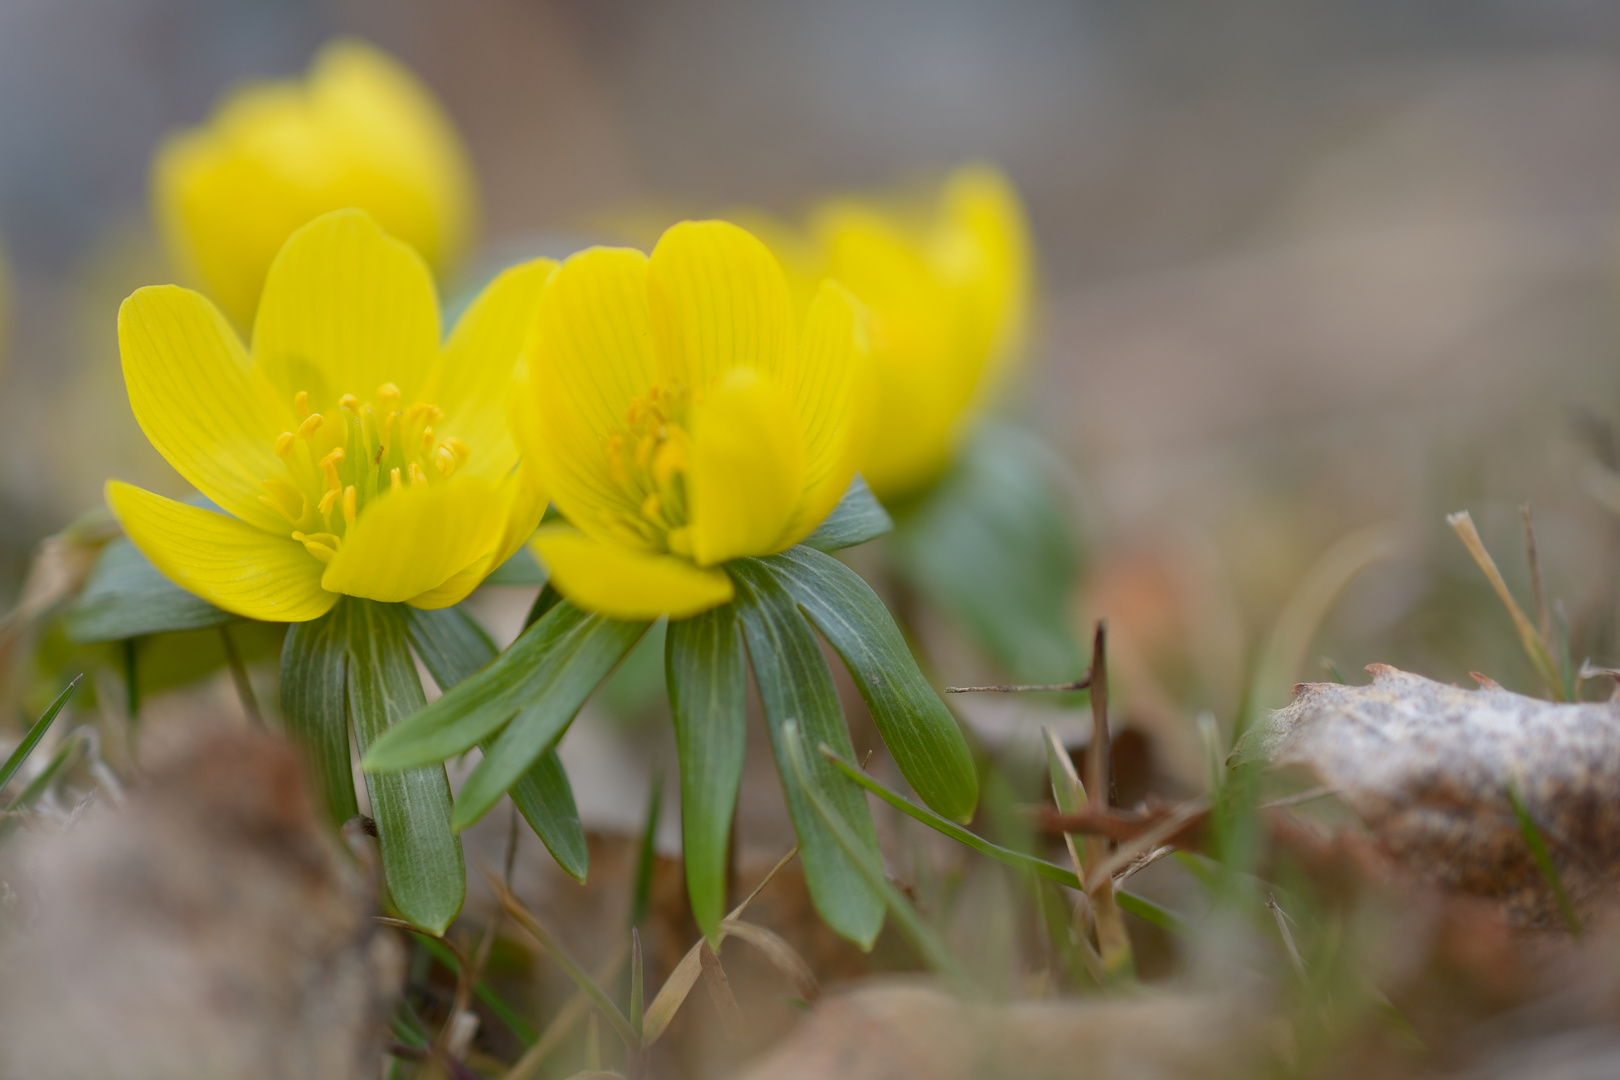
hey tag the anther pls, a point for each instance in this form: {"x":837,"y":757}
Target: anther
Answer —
{"x":418,"y":477}
{"x":301,"y":402}
{"x":427,"y":439}
{"x":321,"y":545}
{"x":388,"y":393}
{"x":350,"y":508}
{"x":445,"y":459}
{"x":394,"y":483}
{"x":459,"y":448}
{"x":350,"y":402}
{"x":325,"y":505}
{"x":311,"y":425}
{"x":284,"y":443}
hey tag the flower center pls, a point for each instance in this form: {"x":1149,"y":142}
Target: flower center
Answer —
{"x":648,"y":459}
{"x":338,"y":461}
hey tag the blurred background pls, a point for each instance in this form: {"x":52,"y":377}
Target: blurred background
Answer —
{"x":1307,"y":268}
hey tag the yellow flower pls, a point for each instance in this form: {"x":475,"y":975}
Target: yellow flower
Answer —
{"x":680,"y":416}
{"x":351,"y":453}
{"x":359,"y":130}
{"x":947,"y":292}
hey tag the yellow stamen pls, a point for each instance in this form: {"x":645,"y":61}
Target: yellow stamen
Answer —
{"x":418,"y":477}
{"x":321,"y":545}
{"x":311,"y":424}
{"x":329,"y":464}
{"x":350,"y":402}
{"x":325,"y":505}
{"x":394,"y":483}
{"x":427,"y":439}
{"x":284,"y":443}
{"x":301,"y":402}
{"x":459,"y":448}
{"x":285,"y":499}
{"x":445,"y":459}
{"x":388,"y":394}
{"x":350,"y":498}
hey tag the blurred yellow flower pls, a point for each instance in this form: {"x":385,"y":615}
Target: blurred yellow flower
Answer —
{"x":947,"y":289}
{"x":359,"y":130}
{"x":351,"y":453}
{"x":680,"y":415}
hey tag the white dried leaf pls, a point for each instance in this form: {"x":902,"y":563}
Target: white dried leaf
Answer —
{"x":1428,"y":766}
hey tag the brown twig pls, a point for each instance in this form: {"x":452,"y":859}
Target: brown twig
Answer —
{"x":1099,"y":770}
{"x":1081,"y":683}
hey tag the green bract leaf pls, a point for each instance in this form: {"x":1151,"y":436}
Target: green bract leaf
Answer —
{"x":991,"y":545}
{"x":857,"y":518}
{"x":916,"y":727}
{"x":554,"y":688}
{"x":481,"y":704}
{"x":315,"y":707}
{"x":421,"y":857}
{"x":453,"y":647}
{"x":794,"y":684}
{"x":126,"y":596}
{"x":708,"y":689}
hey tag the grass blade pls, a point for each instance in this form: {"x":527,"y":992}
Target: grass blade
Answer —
{"x":1136,"y":905}
{"x":1543,"y":860}
{"x":35,"y":733}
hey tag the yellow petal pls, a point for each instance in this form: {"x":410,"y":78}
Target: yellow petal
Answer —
{"x":359,"y":131}
{"x":416,"y":539}
{"x":229,"y":563}
{"x":985,"y":250}
{"x":345,"y":309}
{"x":832,"y":395}
{"x":747,"y":469}
{"x":194,"y":396}
{"x":625,"y":584}
{"x":524,"y":506}
{"x":591,"y":356}
{"x":474,"y":376}
{"x":719,"y":301}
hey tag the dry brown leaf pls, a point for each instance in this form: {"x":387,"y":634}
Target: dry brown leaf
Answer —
{"x":212,"y":927}
{"x":1428,"y":767}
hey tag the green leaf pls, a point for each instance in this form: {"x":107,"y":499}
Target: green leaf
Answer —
{"x":857,"y":518}
{"x":795,"y":685}
{"x":421,"y":856}
{"x":29,"y":795}
{"x":126,"y":596}
{"x":555,"y":687}
{"x":545,"y":798}
{"x":35,"y":733}
{"x":916,"y":726}
{"x":453,"y":647}
{"x":708,"y":688}
{"x":520,"y":569}
{"x":482,"y":703}
{"x":990,"y":544}
{"x":315,"y":706}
